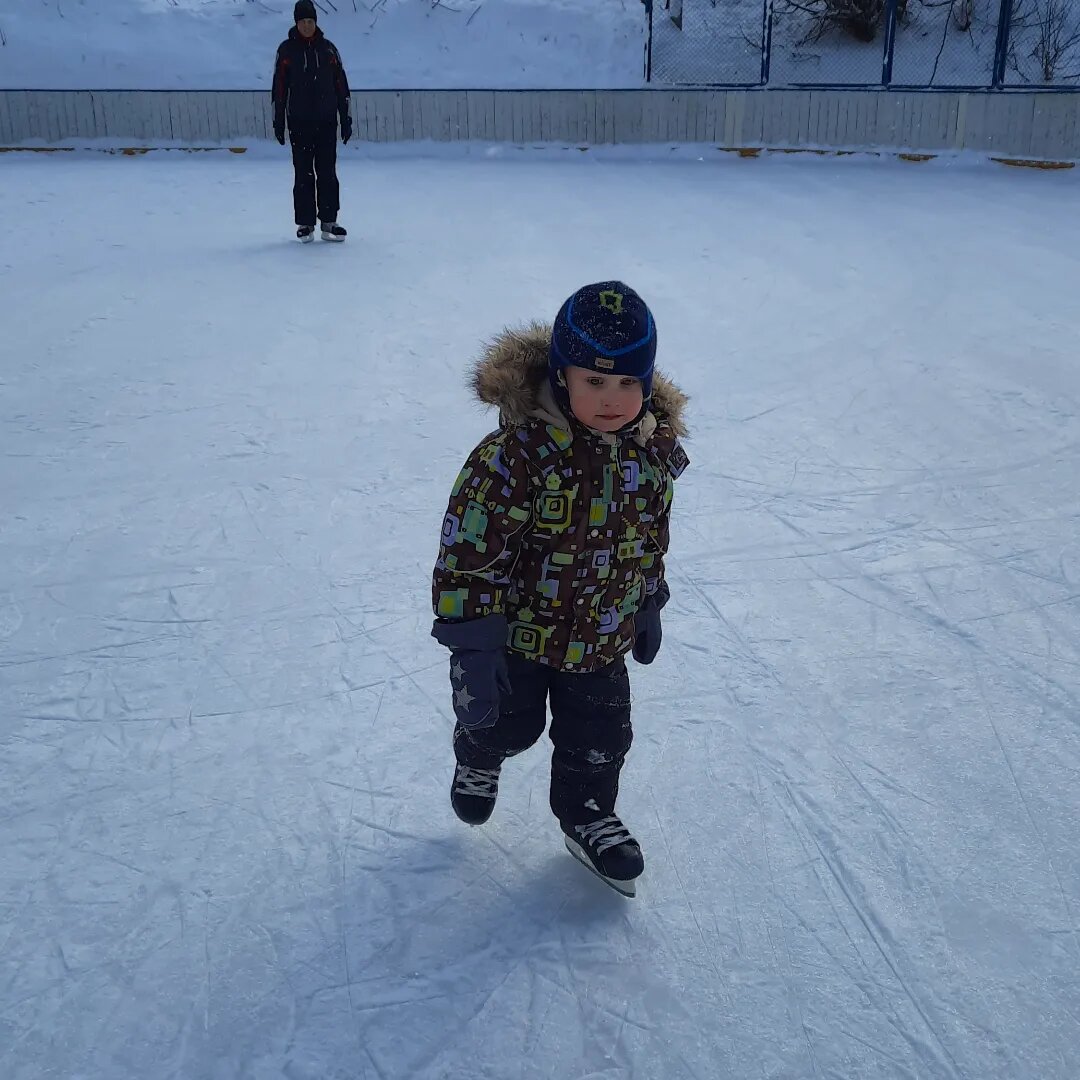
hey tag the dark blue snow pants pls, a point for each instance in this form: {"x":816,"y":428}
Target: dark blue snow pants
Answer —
{"x":316,"y":192}
{"x":590,"y":733}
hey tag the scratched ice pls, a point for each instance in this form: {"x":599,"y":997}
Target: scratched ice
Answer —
{"x":226,"y":847}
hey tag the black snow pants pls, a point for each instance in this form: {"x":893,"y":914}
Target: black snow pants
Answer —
{"x":315,"y":188}
{"x":590,"y":732}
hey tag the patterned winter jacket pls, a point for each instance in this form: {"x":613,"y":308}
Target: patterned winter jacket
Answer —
{"x":558,"y":527}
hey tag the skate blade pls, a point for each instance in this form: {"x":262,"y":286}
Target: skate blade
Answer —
{"x":331,"y":239}
{"x":623,"y":888}
{"x":307,"y":239}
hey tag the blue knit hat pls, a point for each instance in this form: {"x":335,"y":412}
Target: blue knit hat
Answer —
{"x":606,"y":328}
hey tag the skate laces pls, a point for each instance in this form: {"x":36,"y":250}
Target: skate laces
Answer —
{"x":607,"y":832}
{"x":481,"y":782}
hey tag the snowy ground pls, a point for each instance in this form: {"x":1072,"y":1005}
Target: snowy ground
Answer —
{"x":226,"y":848}
{"x":385,"y":44}
{"x":721,"y":43}
{"x":721,"y":40}
{"x":446,"y":44}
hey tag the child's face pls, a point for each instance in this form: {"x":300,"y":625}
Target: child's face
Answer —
{"x":306,"y":27}
{"x":603,"y":402}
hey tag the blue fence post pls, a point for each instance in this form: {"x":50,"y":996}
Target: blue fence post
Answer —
{"x":891,"y":7}
{"x":1001,"y":49}
{"x":766,"y":40}
{"x":648,"y":41}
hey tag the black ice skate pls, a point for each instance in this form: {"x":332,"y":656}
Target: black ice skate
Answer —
{"x":332,"y":231}
{"x":606,"y":847}
{"x":305,"y":234}
{"x":473,"y":793}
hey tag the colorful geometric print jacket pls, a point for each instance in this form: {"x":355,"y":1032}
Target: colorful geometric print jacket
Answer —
{"x":560,"y":528}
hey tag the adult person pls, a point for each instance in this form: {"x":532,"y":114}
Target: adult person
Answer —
{"x":311,"y":96}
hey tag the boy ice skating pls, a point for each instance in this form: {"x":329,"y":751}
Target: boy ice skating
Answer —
{"x":551,"y":563}
{"x":311,"y":94}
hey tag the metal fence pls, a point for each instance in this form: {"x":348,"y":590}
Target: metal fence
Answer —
{"x":903,"y":44}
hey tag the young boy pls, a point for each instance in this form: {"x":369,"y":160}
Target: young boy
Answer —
{"x":311,"y":93}
{"x":551,"y":565}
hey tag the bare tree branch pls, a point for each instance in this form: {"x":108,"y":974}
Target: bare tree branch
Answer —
{"x":860,"y":18}
{"x":1055,"y":25}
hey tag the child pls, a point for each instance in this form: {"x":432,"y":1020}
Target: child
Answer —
{"x":311,"y":93}
{"x":551,"y":563}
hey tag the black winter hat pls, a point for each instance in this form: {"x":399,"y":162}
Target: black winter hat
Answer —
{"x":607,"y":328}
{"x":305,"y":9}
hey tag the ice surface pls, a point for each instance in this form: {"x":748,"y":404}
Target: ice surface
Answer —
{"x":226,"y":846}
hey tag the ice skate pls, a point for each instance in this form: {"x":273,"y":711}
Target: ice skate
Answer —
{"x":606,"y":847}
{"x":473,"y":793}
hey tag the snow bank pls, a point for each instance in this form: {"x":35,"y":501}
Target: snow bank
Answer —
{"x":721,"y":43}
{"x":386,"y":44}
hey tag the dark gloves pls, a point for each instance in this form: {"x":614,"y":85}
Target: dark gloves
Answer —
{"x":479,"y":675}
{"x":279,"y":132}
{"x":346,"y":129}
{"x":648,"y":633}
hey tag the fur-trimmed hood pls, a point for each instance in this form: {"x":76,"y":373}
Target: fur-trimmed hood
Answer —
{"x":512,"y":374}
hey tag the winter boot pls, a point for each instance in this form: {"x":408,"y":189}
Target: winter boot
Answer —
{"x":331,"y":230}
{"x":473,"y":793}
{"x":305,"y":234}
{"x":606,"y":847}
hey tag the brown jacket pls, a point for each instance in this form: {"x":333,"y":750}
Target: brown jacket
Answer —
{"x":558,"y":527}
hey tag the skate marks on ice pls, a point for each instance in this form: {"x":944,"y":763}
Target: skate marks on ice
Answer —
{"x":228,"y":849}
{"x":899,"y":683}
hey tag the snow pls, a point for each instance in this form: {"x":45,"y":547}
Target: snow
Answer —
{"x":720,"y":42}
{"x":226,"y":848}
{"x":503,"y":44}
{"x":385,"y":44}
{"x":229,"y":44}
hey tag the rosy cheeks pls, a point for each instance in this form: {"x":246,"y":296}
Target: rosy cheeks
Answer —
{"x":603,"y":402}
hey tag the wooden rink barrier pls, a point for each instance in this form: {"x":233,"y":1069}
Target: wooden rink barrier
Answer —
{"x":1023,"y":127}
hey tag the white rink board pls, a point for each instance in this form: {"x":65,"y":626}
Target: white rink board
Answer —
{"x":1033,"y":125}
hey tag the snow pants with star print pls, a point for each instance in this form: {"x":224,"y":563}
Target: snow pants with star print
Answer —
{"x":590,"y":733}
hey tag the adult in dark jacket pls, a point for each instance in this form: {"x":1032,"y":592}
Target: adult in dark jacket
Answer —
{"x":310,"y":94}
